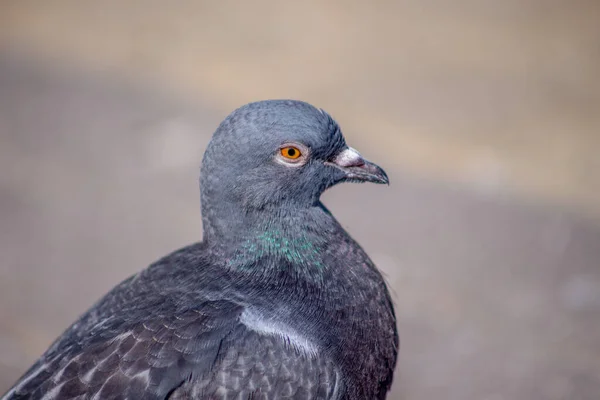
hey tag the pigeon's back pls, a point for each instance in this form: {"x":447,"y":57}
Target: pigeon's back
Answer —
{"x":149,"y":338}
{"x":184,"y":329}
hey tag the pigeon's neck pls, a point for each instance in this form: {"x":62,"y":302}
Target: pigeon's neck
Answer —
{"x":275,"y":239}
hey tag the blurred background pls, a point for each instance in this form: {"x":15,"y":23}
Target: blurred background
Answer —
{"x":486,"y":115}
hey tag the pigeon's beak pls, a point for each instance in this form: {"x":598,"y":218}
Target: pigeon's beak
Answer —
{"x":357,"y":168}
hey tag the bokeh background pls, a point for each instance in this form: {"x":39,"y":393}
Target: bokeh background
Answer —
{"x":486,"y":115}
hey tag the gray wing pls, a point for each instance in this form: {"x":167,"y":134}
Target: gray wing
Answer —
{"x":119,"y":359}
{"x":204,"y":352}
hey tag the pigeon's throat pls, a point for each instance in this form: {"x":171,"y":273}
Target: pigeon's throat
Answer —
{"x":297,"y":250}
{"x":297,"y":240}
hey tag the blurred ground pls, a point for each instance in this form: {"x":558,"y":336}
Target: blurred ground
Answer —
{"x":485,"y":115}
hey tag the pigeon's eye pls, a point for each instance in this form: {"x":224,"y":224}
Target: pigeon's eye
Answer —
{"x":291,"y":152}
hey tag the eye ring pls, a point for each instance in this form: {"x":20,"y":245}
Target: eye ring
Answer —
{"x":292,"y":154}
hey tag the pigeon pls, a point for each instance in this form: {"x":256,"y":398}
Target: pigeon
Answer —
{"x":276,"y":302}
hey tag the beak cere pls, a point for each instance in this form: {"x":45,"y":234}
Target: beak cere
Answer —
{"x":349,"y":158}
{"x":357,"y":168}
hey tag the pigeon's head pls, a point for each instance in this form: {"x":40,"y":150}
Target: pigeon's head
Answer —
{"x":278,"y":154}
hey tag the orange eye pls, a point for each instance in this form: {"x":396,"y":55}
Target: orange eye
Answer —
{"x":291,"y":152}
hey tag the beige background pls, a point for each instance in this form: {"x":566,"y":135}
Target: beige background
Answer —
{"x":485,"y":114}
